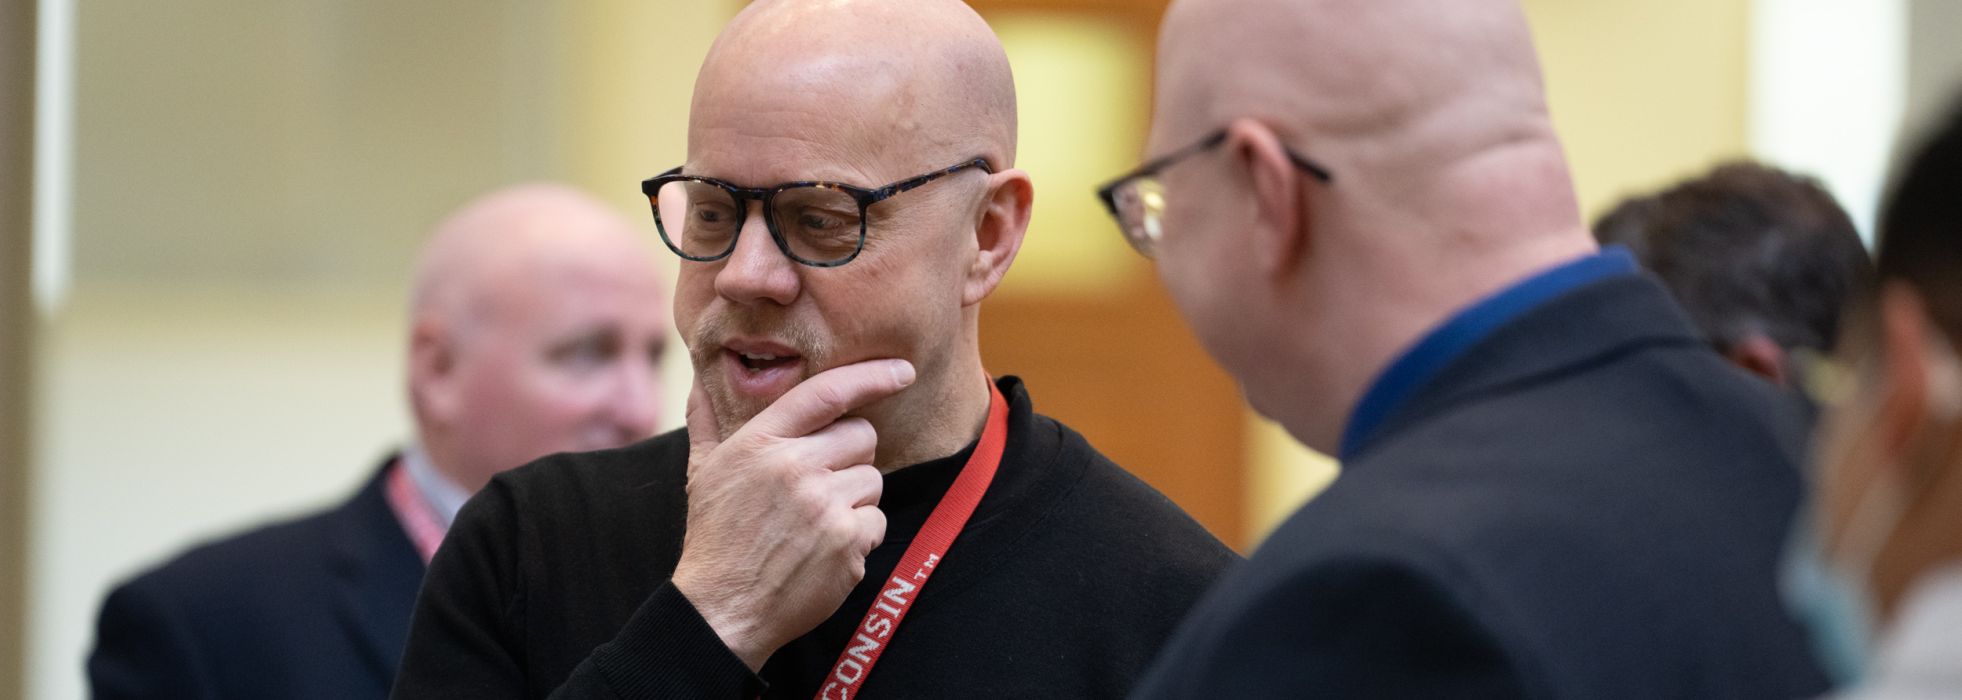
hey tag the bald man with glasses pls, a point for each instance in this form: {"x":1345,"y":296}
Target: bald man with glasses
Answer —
{"x":856,"y":509}
{"x":1551,"y":486}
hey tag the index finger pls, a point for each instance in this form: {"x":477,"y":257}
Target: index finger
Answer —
{"x":829,"y":395}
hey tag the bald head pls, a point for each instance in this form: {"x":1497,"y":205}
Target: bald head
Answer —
{"x":507,"y":242}
{"x":1447,"y":183}
{"x":537,"y":322}
{"x":1418,"y":105}
{"x":874,"y":85}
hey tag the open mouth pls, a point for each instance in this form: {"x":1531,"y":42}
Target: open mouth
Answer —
{"x":761,"y":369}
{"x":760,"y":362}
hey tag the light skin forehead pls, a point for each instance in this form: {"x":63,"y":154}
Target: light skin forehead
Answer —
{"x":862,"y":91}
{"x":518,"y":253}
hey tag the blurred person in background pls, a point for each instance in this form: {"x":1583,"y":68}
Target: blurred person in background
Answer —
{"x":1551,"y":487}
{"x":1762,"y":259}
{"x":1881,"y":554}
{"x":537,"y":326}
{"x":849,"y":202}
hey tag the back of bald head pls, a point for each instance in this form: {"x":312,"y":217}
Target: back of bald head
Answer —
{"x":1420,"y":105}
{"x":504,"y":237}
{"x":919,"y":77}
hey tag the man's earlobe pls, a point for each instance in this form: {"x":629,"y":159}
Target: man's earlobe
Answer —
{"x":1001,"y":223}
{"x":1280,"y":232}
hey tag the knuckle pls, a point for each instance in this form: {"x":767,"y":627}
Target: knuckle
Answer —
{"x":801,"y":455}
{"x":792,"y":457}
{"x":875,"y":527}
{"x":876,"y":484}
{"x":832,"y":397}
{"x":859,"y":432}
{"x":839,"y":528}
{"x":810,"y":500}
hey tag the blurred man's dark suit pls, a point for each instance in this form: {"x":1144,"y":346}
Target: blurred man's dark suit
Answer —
{"x":1586,"y":503}
{"x":311,"y":608}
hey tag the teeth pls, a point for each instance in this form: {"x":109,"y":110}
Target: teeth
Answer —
{"x":759,"y":358}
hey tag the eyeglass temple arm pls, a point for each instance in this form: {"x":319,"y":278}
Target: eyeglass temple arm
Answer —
{"x":910,"y":183}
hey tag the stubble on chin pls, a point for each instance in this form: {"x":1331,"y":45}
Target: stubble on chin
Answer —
{"x":732,"y":410}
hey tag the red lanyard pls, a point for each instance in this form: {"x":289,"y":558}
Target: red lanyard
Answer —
{"x":417,"y":518}
{"x":928,"y":549}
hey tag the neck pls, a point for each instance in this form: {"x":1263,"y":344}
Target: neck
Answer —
{"x":933,"y":420}
{"x":1424,"y":290}
{"x":441,"y":460}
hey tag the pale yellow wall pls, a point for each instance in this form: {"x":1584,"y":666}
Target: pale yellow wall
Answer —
{"x":629,"y":75}
{"x":1083,"y":89}
{"x":1642,"y":93}
{"x":1281,"y":475}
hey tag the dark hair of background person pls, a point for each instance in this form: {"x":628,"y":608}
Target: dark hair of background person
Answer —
{"x":1920,"y":239}
{"x":1749,"y":250}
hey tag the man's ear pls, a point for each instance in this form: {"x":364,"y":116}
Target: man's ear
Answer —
{"x":432,"y":370}
{"x":1921,"y":409}
{"x":1762,"y":356}
{"x":1903,"y":408}
{"x":999,"y":225}
{"x":1279,"y":236}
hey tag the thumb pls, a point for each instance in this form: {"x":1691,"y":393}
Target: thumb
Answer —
{"x":704,"y":430}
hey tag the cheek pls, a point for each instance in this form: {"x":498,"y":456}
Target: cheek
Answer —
{"x":1214,"y":295}
{"x":694,"y":292}
{"x":533,"y":395}
{"x":1190,"y":272}
{"x":1188,"y":254}
{"x":887,"y":310}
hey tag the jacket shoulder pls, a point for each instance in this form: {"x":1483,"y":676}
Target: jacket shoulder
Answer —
{"x":273,"y":557}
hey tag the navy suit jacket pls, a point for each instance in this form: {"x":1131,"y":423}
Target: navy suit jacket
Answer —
{"x":313,"y":608}
{"x":1587,"y":503}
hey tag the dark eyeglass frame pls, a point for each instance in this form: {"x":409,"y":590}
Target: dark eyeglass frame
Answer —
{"x":767,"y":196}
{"x":1151,"y":168}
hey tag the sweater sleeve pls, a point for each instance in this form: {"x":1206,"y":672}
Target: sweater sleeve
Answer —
{"x":467,"y":638}
{"x":666,"y":651}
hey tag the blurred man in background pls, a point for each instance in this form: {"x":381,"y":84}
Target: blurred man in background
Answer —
{"x":537,"y":326}
{"x":1886,"y":554}
{"x":1551,"y":487}
{"x":1763,"y":260}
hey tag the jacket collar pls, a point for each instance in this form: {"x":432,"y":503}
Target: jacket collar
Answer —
{"x":1586,"y":325}
{"x":376,"y":573}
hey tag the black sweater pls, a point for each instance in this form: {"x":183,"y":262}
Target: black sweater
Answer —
{"x":554,"y":581}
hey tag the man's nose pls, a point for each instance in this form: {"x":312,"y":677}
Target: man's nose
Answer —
{"x":757,"y":270}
